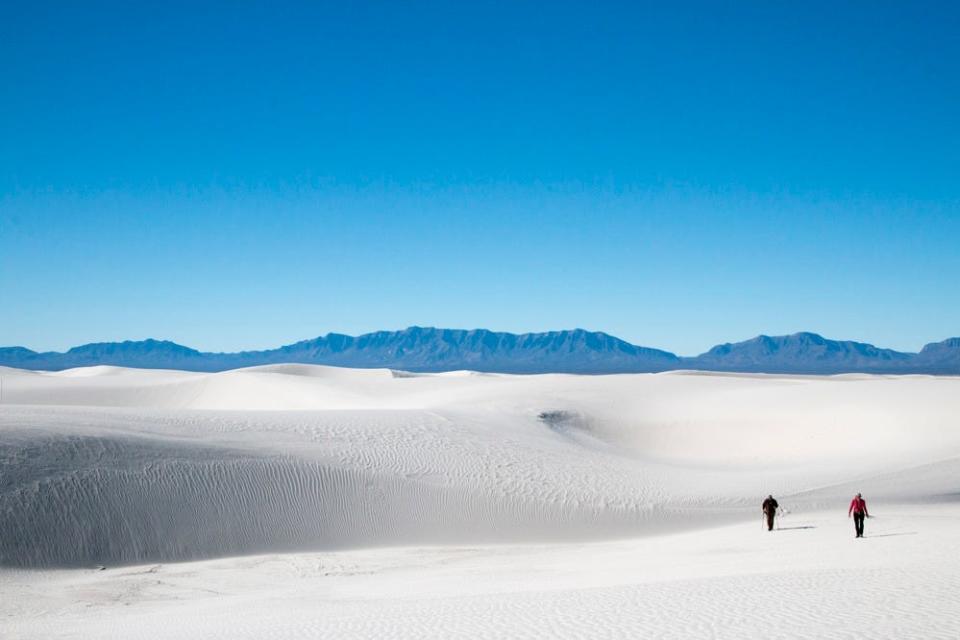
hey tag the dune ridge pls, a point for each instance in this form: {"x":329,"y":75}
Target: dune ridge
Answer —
{"x":117,"y":466}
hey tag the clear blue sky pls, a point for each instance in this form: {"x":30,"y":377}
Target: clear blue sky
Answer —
{"x":250,"y":174}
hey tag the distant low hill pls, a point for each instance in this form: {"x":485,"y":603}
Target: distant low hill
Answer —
{"x":572,"y":351}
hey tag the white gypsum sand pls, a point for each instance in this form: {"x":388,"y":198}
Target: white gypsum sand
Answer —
{"x":306,"y":501}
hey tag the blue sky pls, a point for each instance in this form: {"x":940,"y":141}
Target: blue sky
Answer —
{"x":245,"y":175}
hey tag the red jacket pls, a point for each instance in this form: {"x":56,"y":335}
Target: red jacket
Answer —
{"x":858,"y":505}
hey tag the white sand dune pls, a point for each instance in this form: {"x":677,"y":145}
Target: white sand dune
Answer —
{"x":422,"y":486}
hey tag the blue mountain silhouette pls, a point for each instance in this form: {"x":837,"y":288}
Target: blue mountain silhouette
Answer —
{"x":569,"y":351}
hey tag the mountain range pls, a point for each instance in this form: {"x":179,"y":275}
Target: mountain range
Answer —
{"x":426,"y":349}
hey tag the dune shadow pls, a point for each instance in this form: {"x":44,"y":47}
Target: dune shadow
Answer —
{"x":809,"y":526}
{"x":890,"y":535}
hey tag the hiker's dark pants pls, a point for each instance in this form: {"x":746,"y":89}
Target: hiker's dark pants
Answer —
{"x":858,"y":524}
{"x":770,"y":516}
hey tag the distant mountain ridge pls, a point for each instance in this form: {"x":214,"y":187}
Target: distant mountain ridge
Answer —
{"x":801,"y":352}
{"x":428,"y":349}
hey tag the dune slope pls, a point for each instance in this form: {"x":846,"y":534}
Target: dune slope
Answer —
{"x":112,"y":466}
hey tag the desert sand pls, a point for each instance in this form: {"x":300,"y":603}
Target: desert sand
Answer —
{"x":304,"y":501}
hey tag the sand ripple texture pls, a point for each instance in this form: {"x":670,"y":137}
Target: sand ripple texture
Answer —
{"x":809,"y":580}
{"x":114,"y":466}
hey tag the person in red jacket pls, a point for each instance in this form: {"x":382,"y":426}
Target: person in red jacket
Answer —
{"x":858,"y":507}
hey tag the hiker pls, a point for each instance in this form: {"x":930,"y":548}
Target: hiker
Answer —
{"x":770,"y":510}
{"x":858,"y":507}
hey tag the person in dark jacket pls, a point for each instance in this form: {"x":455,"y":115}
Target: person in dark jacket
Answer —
{"x":770,"y":510}
{"x":858,"y":508}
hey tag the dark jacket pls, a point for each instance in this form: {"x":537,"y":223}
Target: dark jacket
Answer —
{"x":770,"y":505}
